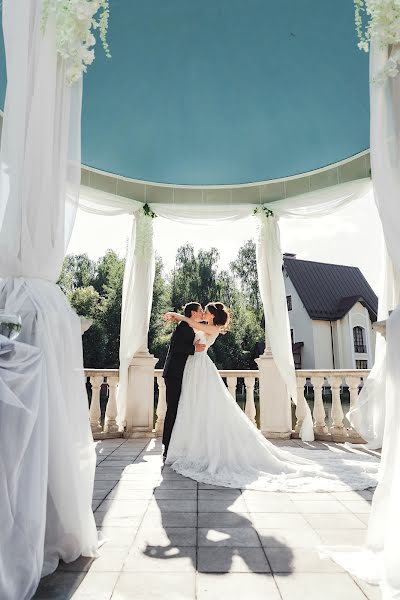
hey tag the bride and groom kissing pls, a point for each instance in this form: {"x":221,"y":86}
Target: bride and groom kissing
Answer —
{"x":208,"y":437}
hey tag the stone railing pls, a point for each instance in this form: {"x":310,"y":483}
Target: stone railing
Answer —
{"x":104,"y":383}
{"x":337,"y":381}
{"x":231,"y":378}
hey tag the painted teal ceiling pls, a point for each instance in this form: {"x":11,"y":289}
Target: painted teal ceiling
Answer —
{"x":225,"y":91}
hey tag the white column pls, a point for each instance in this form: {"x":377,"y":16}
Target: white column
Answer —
{"x":95,"y":413}
{"x":110,"y":425}
{"x":140,"y":396}
{"x":319,"y":414}
{"x":301,"y":407}
{"x":232,"y":383}
{"x":275,"y":405}
{"x":161,"y":405}
{"x":338,"y":430}
{"x":250,"y":408}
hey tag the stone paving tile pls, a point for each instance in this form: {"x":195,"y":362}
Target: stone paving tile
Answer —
{"x":237,"y":586}
{"x":314,"y":586}
{"x":362,"y":507}
{"x":220,"y":494}
{"x":228,"y":536}
{"x":350,"y":537}
{"x":153,"y":518}
{"x":315,"y":507}
{"x":299,"y":560}
{"x":175,"y":494}
{"x":364,"y":518}
{"x":224,"y":519}
{"x":337,"y":521}
{"x":123,"y":493}
{"x":166,"y":536}
{"x":372,"y":592}
{"x":277,"y":538}
{"x":103,"y":519}
{"x":180,"y":506}
{"x":111,"y":559}
{"x":271,"y":506}
{"x":118,"y":537}
{"x":161,"y":559}
{"x":242,"y":560}
{"x":96,"y":586}
{"x":144,"y":586}
{"x":223,"y":505}
{"x":179,"y":484}
{"x":123,"y":508}
{"x":59,"y":586}
{"x":276,"y":521}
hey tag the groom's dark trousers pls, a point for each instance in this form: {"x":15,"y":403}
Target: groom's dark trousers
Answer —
{"x":180,"y":348}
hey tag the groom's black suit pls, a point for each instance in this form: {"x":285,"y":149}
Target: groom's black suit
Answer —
{"x":180,"y":348}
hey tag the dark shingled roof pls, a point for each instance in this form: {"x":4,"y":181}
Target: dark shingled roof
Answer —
{"x":328,"y":291}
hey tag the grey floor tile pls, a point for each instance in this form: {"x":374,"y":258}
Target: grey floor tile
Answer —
{"x":154,"y":518}
{"x":124,"y":508}
{"x":277,"y":521}
{"x":169,"y":536}
{"x":180,"y":506}
{"x":228,"y":536}
{"x":351,"y":537}
{"x":313,"y":586}
{"x":228,"y":560}
{"x":119,"y":493}
{"x":144,"y":586}
{"x":103,"y":519}
{"x":161,"y":559}
{"x":271,"y":506}
{"x":334,"y":521}
{"x":236,"y":586}
{"x":58,"y":586}
{"x":299,"y":560}
{"x":224,"y":519}
{"x":180,"y":484}
{"x":276,"y":538}
{"x":229,"y":504}
{"x":321,"y":508}
{"x":122,"y":537}
{"x":96,"y":586}
{"x":220,"y":494}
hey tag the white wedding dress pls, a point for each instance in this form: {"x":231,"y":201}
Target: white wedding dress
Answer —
{"x":214,"y":442}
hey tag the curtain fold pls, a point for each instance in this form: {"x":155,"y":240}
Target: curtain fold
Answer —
{"x":273,"y":295}
{"x":137,"y":296}
{"x":39,"y":186}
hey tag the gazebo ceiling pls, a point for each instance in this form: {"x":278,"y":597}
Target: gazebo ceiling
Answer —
{"x":225,"y":91}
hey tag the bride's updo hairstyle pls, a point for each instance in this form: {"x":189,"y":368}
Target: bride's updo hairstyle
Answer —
{"x":221,"y":314}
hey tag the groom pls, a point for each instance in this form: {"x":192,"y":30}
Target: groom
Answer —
{"x":180,"y":348}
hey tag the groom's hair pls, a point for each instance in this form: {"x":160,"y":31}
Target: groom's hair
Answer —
{"x":191,"y":307}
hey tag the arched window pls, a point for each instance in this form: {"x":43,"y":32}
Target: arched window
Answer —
{"x":359,"y":340}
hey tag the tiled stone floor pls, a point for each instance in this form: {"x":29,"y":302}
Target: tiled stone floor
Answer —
{"x":171,"y":538}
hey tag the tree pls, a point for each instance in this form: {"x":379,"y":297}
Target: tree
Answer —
{"x":245,"y":269}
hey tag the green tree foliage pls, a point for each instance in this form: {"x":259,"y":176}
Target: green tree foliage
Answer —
{"x":94,"y":289}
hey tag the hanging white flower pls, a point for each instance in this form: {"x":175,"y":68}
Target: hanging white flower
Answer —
{"x":383,"y":27}
{"x":75,"y":22}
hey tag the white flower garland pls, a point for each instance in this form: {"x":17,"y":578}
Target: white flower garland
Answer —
{"x":76,"y":21}
{"x":383,"y":27}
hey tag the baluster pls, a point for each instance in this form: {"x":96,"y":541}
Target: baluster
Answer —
{"x":161,"y":405}
{"x":301,"y":402}
{"x":110,"y":423}
{"x":353,"y":382}
{"x":250,"y":408}
{"x":338,"y":430}
{"x":319,"y":414}
{"x":95,"y":412}
{"x":232,"y":382}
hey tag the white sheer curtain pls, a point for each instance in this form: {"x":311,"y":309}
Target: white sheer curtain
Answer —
{"x":39,"y":183}
{"x":137,"y":296}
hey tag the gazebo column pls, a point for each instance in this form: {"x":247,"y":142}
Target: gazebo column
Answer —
{"x":140,"y":396}
{"x":275,"y":405}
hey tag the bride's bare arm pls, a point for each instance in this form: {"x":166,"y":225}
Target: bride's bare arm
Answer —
{"x":208,"y":329}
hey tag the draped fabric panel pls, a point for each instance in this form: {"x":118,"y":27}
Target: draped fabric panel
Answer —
{"x":23,"y":462}
{"x":273,"y":295}
{"x":39,"y":187}
{"x":137,"y":296}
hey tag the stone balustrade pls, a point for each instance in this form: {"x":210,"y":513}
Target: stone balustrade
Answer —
{"x":334,"y":383}
{"x":312,"y":386}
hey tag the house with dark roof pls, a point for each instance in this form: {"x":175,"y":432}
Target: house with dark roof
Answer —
{"x":331,"y":312}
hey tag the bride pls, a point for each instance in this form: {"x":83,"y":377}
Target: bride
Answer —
{"x":214,"y":442}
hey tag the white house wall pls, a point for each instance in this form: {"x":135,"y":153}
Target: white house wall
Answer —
{"x":302,"y":326}
{"x":322,"y":344}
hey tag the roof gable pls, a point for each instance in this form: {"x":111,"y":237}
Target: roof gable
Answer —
{"x":329,"y":291}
